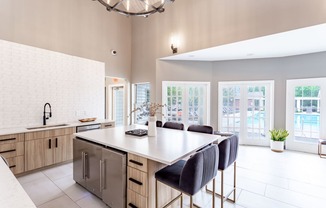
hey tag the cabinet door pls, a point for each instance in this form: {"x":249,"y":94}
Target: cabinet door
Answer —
{"x":113,"y":181}
{"x":48,"y":151}
{"x":79,"y":163}
{"x":34,"y":154}
{"x":93,"y":159}
{"x":60,"y":148}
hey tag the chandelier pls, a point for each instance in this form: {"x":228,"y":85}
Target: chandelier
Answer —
{"x":135,"y":7}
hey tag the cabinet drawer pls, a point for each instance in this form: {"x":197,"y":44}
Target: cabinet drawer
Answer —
{"x":49,"y":133}
{"x":12,"y":149}
{"x":107,"y":125}
{"x":137,"y":181}
{"x":16,"y":164}
{"x":11,"y":138}
{"x":137,"y":162}
{"x":135,"y":200}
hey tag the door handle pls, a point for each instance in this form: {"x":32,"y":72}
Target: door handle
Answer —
{"x":101,"y":175}
{"x":86,"y":168}
{"x":49,"y":143}
{"x":83,"y":164}
{"x":56,"y":142}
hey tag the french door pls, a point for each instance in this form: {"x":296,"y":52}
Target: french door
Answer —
{"x":246,"y":109}
{"x":305,"y":109}
{"x":187,"y":102}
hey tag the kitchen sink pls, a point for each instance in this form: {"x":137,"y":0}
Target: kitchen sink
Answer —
{"x":46,"y":126}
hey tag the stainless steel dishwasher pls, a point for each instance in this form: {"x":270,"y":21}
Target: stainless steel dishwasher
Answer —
{"x":101,"y":170}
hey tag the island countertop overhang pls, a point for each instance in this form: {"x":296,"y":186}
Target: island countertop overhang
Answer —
{"x":168,"y":147}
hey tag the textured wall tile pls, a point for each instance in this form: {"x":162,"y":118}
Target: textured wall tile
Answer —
{"x":30,"y":77}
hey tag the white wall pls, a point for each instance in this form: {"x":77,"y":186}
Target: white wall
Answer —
{"x":30,"y":77}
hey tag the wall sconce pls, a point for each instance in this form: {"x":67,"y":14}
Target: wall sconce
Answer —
{"x":174,"y":44}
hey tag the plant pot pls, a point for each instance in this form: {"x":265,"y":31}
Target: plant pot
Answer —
{"x":152,"y":132}
{"x":277,"y":146}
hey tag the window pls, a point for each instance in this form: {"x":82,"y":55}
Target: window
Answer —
{"x":187,"y":102}
{"x":141,"y":95}
{"x":304,"y":113}
{"x":245,"y":108}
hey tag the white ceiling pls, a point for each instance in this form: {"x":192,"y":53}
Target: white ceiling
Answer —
{"x":294,"y":42}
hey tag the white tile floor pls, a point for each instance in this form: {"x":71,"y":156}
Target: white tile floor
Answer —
{"x":265,"y":180}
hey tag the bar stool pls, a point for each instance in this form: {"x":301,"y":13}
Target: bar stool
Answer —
{"x":173,"y":125}
{"x":228,"y":152}
{"x":158,"y":123}
{"x":201,"y":129}
{"x":190,"y":176}
{"x":321,"y":142}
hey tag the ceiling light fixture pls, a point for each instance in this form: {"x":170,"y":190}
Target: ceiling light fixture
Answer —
{"x":135,"y":7}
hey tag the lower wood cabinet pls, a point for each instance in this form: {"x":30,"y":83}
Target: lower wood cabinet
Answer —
{"x":48,"y":147}
{"x":12,"y":148}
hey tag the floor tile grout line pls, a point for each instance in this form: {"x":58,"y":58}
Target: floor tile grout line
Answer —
{"x":313,"y":196}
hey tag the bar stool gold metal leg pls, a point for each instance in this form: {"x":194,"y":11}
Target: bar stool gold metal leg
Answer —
{"x":156,"y":197}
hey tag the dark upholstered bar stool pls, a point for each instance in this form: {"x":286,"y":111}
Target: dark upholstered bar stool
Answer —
{"x":190,"y":176}
{"x":321,"y":142}
{"x":201,"y":129}
{"x":158,"y":123}
{"x":228,"y":152}
{"x":173,"y":125}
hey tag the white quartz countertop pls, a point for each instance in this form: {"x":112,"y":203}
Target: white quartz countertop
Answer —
{"x":12,"y":194}
{"x":168,"y":147}
{"x":18,"y":130}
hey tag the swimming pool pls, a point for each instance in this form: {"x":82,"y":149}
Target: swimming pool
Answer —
{"x":306,"y":119}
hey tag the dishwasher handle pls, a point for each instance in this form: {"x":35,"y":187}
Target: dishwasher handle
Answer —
{"x":102,"y":175}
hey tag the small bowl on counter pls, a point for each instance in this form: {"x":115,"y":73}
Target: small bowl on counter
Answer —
{"x":87,"y":120}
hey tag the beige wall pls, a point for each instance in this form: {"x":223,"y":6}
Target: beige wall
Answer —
{"x":76,"y":27}
{"x":208,"y":23}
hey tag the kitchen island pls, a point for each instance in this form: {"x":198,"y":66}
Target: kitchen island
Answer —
{"x":12,"y":193}
{"x":146,"y":155}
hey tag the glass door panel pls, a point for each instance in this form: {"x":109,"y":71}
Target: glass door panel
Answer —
{"x":245,"y":108}
{"x":304,"y":113}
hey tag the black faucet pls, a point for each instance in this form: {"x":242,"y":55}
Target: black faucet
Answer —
{"x":44,"y":113}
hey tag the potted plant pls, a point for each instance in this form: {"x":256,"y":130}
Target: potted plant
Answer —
{"x":278,"y":136}
{"x":150,"y":109}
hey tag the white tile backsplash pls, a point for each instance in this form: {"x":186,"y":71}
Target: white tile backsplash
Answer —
{"x":31,"y":77}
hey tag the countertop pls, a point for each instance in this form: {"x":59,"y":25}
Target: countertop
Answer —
{"x":12,"y":193}
{"x":18,"y":130}
{"x":168,"y":147}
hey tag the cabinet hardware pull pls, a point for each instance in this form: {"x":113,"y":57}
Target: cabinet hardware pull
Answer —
{"x":109,"y":125}
{"x":56,"y":142}
{"x":12,"y":166}
{"x":83,"y":164}
{"x":9,"y":139}
{"x":101,"y":175}
{"x":132,"y":206}
{"x":136,"y":162}
{"x":12,"y":150}
{"x":104,"y":174}
{"x":86,"y":165}
{"x":135,"y":181}
{"x":49,"y":143}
